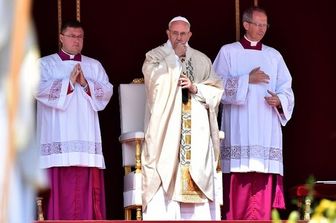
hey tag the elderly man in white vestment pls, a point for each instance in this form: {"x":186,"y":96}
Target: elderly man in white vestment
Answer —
{"x":72,"y":90}
{"x":258,"y":99}
{"x":181,"y":148}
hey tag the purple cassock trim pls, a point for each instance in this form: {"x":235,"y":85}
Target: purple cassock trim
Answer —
{"x":247,"y":45}
{"x":64,"y":56}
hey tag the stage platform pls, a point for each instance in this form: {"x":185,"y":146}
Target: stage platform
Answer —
{"x":135,"y":221}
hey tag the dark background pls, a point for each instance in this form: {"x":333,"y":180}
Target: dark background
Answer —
{"x":119,"y":33}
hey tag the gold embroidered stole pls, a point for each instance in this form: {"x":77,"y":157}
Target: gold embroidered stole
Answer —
{"x":189,"y":191}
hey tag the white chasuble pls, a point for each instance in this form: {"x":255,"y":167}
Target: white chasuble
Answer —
{"x":184,"y":170}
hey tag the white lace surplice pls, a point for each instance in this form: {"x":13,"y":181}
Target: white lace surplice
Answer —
{"x":253,"y":136}
{"x":68,"y":125}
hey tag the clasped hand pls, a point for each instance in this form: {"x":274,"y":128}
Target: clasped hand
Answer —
{"x":78,"y":76}
{"x":185,"y":82}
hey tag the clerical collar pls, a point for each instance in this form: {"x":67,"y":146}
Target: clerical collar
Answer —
{"x":252,"y":45}
{"x":65,"y":56}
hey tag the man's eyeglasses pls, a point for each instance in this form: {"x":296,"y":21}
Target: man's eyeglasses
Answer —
{"x":259,"y":25}
{"x":176,"y":34}
{"x":73,"y":36}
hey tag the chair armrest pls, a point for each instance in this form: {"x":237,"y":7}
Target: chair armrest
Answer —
{"x":131,"y":136}
{"x":131,"y":147}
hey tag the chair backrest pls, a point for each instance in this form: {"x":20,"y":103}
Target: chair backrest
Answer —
{"x":132,"y":100}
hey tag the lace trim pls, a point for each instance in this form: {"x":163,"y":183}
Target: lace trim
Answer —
{"x":98,"y":91}
{"x":55,"y":90}
{"x":71,"y":146}
{"x":231,"y":86}
{"x":248,"y":152}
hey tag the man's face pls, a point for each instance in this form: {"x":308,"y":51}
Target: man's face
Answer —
{"x":72,"y":40}
{"x":179,"y":33}
{"x":256,"y":29}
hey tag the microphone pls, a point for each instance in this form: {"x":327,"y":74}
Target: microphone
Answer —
{"x":184,"y":90}
{"x":184,"y":95}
